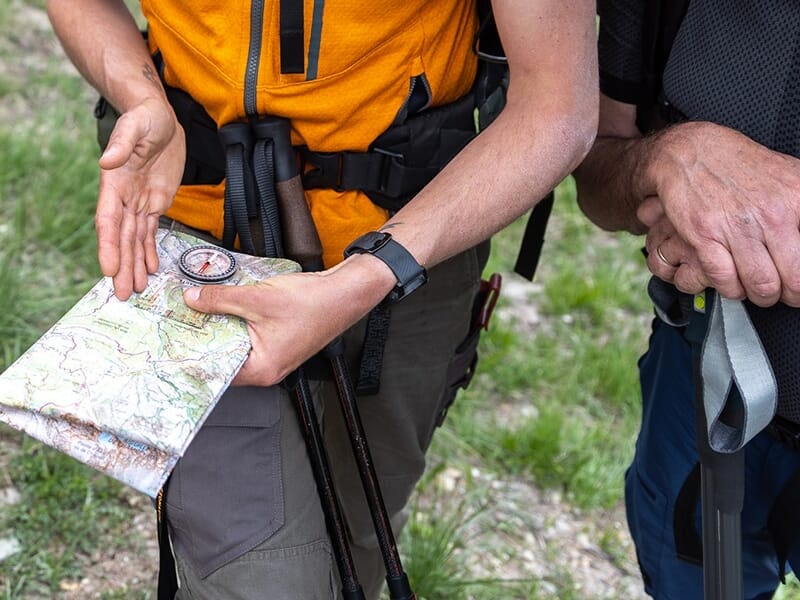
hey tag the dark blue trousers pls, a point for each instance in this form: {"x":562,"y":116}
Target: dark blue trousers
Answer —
{"x":666,"y":453}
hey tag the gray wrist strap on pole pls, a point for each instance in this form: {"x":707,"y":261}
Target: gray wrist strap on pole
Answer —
{"x":732,"y":356}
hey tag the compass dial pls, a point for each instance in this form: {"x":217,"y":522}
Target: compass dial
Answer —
{"x":207,"y":264}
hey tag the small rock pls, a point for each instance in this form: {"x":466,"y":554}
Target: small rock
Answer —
{"x":9,"y":496}
{"x":8,"y":547}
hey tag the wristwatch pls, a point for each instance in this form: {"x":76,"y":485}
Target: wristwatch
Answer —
{"x":410,"y":274}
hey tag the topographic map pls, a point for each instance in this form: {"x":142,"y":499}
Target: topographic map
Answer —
{"x":124,"y":386}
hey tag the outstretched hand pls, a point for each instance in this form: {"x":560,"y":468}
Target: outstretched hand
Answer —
{"x":728,"y":216}
{"x":141,"y":170}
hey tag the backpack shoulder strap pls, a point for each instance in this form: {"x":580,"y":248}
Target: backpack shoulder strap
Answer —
{"x":662,"y":20}
{"x":530,"y":249}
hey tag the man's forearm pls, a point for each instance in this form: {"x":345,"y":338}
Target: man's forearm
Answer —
{"x":102,"y":40}
{"x":493,"y":181}
{"x":610,"y":183}
{"x":545,"y":129}
{"x":622,"y":169}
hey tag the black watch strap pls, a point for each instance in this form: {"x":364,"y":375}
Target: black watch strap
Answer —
{"x":409,"y":273}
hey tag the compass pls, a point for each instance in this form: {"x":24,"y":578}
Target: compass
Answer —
{"x":207,"y":264}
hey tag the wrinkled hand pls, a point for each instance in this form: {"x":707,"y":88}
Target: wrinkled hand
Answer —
{"x":672,"y":259}
{"x":141,"y":170}
{"x":289,"y":317}
{"x":727,"y":216}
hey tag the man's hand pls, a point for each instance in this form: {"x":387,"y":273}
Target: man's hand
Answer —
{"x":720,"y":210}
{"x":291,"y":317}
{"x":141,"y":170}
{"x":671,"y":259}
{"x":734,"y":211}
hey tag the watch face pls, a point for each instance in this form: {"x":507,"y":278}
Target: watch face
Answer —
{"x":207,"y":264}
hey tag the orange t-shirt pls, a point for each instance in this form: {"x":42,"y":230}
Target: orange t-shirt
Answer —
{"x":364,"y":55}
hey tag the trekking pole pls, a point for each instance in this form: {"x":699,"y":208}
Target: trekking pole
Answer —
{"x":306,"y":250}
{"x":337,"y":529}
{"x":301,"y":243}
{"x":721,"y":498}
{"x":721,"y":483}
{"x":396,"y":578}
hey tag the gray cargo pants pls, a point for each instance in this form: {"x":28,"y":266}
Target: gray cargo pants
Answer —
{"x":242,"y":507}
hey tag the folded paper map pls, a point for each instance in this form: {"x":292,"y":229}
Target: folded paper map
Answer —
{"x":124,"y":386}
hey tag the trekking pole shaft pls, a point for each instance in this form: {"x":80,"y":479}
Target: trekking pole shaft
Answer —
{"x":396,"y":578}
{"x":301,"y":243}
{"x":306,"y":413}
{"x":710,"y":545}
{"x":722,"y":527}
{"x":730,"y":555}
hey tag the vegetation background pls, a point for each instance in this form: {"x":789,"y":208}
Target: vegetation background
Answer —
{"x":522,"y":497}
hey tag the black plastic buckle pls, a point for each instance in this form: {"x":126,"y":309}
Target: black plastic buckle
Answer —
{"x":325,"y":171}
{"x":384,"y":165}
{"x":369,"y":171}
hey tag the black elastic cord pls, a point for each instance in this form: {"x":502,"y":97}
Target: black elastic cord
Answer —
{"x":234,"y":139}
{"x":263,"y":169}
{"x":236,"y":201}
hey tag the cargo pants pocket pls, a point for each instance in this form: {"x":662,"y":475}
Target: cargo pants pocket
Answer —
{"x":225,"y":495}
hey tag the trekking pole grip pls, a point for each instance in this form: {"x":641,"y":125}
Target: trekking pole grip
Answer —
{"x":301,"y":241}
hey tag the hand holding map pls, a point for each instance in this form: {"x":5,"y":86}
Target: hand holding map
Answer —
{"x":123,"y":386}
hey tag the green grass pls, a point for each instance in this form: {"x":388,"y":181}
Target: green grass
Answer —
{"x":66,"y":511}
{"x":556,"y":403}
{"x":790,"y":591}
{"x":436,"y":545}
{"x":47,"y":193}
{"x":48,"y":186}
{"x":571,"y":383}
